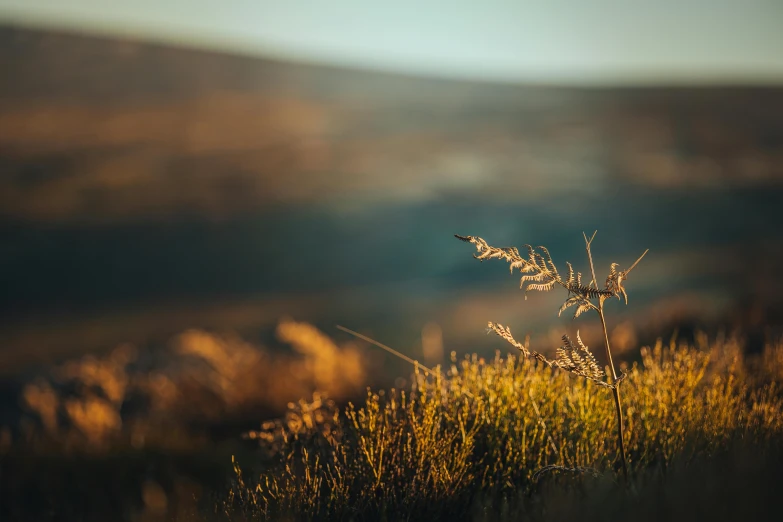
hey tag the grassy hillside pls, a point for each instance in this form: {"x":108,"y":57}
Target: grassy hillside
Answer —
{"x":500,"y":439}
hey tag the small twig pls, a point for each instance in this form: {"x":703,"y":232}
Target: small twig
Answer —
{"x":392,"y":351}
{"x":594,"y":282}
{"x":402,"y":356}
{"x":636,"y":262}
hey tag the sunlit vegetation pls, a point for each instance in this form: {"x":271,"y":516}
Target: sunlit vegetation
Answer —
{"x":475,"y":438}
{"x":483,"y":440}
{"x":540,"y":273}
{"x":94,"y":403}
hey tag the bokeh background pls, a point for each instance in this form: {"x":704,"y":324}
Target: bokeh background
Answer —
{"x":187,"y":191}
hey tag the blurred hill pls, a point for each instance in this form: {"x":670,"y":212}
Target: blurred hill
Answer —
{"x":145,"y":190}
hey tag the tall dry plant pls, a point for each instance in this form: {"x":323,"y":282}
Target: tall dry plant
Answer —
{"x":541,"y":274}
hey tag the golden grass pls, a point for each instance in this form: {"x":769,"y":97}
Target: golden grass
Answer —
{"x":485,"y":428}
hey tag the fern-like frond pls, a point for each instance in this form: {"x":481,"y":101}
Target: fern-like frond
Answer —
{"x":571,"y":301}
{"x":579,"y":341}
{"x":535,"y":277}
{"x":612,"y":274}
{"x":541,"y":263}
{"x":582,"y":308}
{"x":614,"y":281}
{"x":544,"y":287}
{"x":570,"y":281}
{"x":549,"y":261}
{"x":589,"y":292}
{"x":541,"y":273}
{"x":531,"y":254}
{"x":505,"y":333}
{"x":579,"y":360}
{"x":573,"y":358}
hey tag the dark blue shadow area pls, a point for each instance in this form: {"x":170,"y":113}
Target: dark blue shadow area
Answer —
{"x":323,"y":250}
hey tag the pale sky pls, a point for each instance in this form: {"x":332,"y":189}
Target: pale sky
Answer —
{"x":576,"y":42}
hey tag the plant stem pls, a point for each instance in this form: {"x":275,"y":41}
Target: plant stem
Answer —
{"x":613,"y":376}
{"x":615,"y":392}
